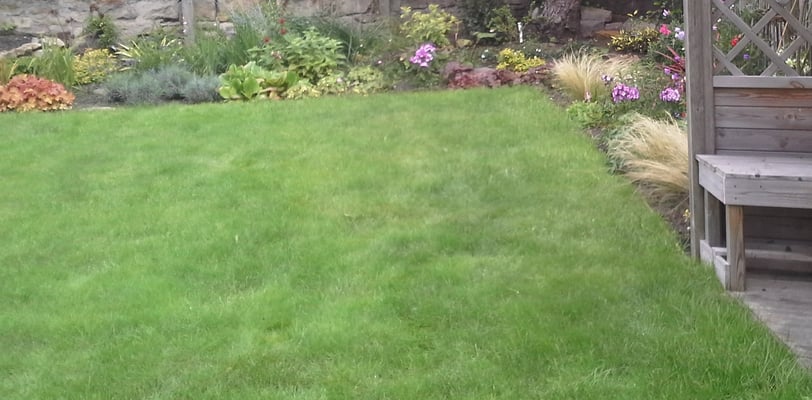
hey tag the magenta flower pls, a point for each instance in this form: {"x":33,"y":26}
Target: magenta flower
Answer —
{"x":622,"y":93}
{"x":670,"y":95}
{"x":664,"y":30}
{"x":424,"y":55}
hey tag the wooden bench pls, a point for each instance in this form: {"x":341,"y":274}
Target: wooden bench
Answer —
{"x":739,"y":181}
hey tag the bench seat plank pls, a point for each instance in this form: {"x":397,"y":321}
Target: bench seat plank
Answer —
{"x":757,"y":180}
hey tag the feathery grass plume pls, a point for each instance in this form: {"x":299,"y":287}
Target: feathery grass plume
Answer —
{"x":654,"y":155}
{"x":582,"y":75}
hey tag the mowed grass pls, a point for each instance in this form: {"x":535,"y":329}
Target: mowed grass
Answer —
{"x":447,"y":245}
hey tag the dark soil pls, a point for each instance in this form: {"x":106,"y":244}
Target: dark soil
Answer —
{"x":13,"y":40}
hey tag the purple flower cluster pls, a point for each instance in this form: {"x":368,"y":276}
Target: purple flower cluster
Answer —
{"x":423,"y":55}
{"x":622,"y":93}
{"x":670,"y":95}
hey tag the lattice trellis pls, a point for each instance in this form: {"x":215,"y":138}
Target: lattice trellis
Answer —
{"x":762,"y":37}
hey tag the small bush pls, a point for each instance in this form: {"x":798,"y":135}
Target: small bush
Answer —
{"x":93,"y":66}
{"x":503,"y":23}
{"x":637,"y":41}
{"x":201,"y":89}
{"x":172,"y":79}
{"x":654,"y":155}
{"x":311,"y":55}
{"x":251,"y":82}
{"x":432,"y":26}
{"x":581,"y":75}
{"x":30,"y":93}
{"x":516,"y":61}
{"x":132,"y":88}
{"x":589,"y":114}
{"x":101,"y":28}
{"x":477,"y":14}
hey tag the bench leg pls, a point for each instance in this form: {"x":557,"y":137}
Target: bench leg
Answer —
{"x":713,"y":220}
{"x":735,"y":248}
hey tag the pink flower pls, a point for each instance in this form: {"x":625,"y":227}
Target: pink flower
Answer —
{"x":664,"y":30}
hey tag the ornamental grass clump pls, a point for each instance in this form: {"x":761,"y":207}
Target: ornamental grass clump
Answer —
{"x":581,"y":75}
{"x":654,"y":155}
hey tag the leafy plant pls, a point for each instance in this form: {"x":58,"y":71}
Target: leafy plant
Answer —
{"x":589,"y":114}
{"x":477,"y":14}
{"x":516,"y":61}
{"x":251,"y":81}
{"x":102,"y":28}
{"x":7,"y":28}
{"x":310,"y":55}
{"x":431,"y":26}
{"x":94,"y":65}
{"x":151,"y":52}
{"x":31,"y":93}
{"x":172,"y":80}
{"x":365,"y":80}
{"x":301,"y":90}
{"x":8,"y":69}
{"x":636,"y":41}
{"x":503,"y":24}
{"x":55,"y":63}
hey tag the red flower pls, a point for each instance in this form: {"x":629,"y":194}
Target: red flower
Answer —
{"x":281,"y":21}
{"x":266,"y":39}
{"x":735,"y":40}
{"x":283,"y":31}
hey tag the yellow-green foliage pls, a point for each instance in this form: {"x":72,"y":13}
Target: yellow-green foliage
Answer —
{"x":431,"y":26}
{"x":515,"y":60}
{"x":580,"y":75}
{"x":8,"y":69}
{"x":93,"y":66}
{"x":654,"y":155}
{"x":636,"y":41}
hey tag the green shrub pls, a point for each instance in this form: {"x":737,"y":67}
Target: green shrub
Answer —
{"x":172,"y":80}
{"x":31,"y":93}
{"x":301,"y":90}
{"x":503,"y":24}
{"x":201,"y":89}
{"x":516,"y":61}
{"x":477,"y":14}
{"x":637,"y":41}
{"x":94,"y":65}
{"x":589,"y":114}
{"x":55,"y":63}
{"x":101,"y":28}
{"x":365,"y":80}
{"x":431,"y":26}
{"x":133,"y":88}
{"x":310,"y":55}
{"x":333,"y":84}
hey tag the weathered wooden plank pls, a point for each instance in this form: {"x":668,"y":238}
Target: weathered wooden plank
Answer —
{"x":777,"y":192}
{"x":735,"y":247}
{"x":778,"y":228}
{"x":764,"y":140}
{"x":763,"y":97}
{"x":759,"y":167}
{"x":764,"y":82}
{"x":713,"y":220}
{"x":699,"y":96}
{"x":768,"y":118}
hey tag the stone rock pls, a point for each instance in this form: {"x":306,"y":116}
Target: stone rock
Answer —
{"x":49,"y":41}
{"x":21,"y":51}
{"x":614,"y":26}
{"x":589,"y":27}
{"x":228,"y":28}
{"x":595,"y":14}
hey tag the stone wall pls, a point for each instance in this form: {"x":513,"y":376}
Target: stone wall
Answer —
{"x":66,"y":18}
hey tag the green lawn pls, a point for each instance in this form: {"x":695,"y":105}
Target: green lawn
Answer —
{"x":445,"y":245}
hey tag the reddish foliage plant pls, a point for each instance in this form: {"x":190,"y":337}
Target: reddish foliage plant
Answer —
{"x":30,"y":93}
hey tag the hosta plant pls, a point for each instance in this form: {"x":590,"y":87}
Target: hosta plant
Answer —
{"x":251,"y":81}
{"x":30,"y":93}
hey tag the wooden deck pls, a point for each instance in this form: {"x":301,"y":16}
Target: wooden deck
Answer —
{"x":785,"y":306}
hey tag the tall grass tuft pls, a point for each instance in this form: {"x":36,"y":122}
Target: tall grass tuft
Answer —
{"x":654,"y":155}
{"x":580,"y":75}
{"x":56,"y":64}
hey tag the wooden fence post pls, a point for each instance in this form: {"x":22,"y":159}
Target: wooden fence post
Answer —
{"x":187,"y":10}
